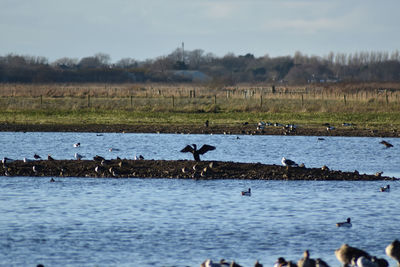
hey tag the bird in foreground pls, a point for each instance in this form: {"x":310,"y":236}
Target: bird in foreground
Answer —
{"x":288,"y":162}
{"x":281,"y":262}
{"x":78,"y":156}
{"x":345,"y":254}
{"x":306,"y":261}
{"x":387,"y":144}
{"x":222,"y":263}
{"x":385,"y":188}
{"x":347,"y":223}
{"x":393,"y":251}
{"x":246,"y":193}
{"x":196,"y":153}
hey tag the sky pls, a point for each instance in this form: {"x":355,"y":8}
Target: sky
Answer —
{"x":147,"y":29}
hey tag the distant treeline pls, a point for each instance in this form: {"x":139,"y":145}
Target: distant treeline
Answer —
{"x":198,"y":66}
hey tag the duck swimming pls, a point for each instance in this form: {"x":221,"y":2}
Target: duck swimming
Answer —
{"x":246,"y":193}
{"x":387,"y":144}
{"x":385,"y":188}
{"x":196,"y":153}
{"x":347,"y":223}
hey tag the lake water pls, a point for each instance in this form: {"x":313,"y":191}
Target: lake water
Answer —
{"x":167,"y":222}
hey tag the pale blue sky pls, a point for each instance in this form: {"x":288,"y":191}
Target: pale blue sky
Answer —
{"x":143,"y":29}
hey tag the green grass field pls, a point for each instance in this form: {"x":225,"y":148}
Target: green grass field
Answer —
{"x":371,"y":107}
{"x":110,"y":117}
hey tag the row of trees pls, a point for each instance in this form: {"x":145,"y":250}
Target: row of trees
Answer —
{"x":229,"y":69}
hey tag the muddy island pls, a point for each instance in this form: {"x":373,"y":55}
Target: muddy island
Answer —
{"x":177,"y":169}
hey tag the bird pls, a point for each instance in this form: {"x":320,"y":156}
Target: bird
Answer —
{"x":288,"y":162}
{"x":347,"y":223}
{"x":385,"y":188}
{"x":306,"y":261}
{"x":140,"y":157}
{"x":111,"y":149}
{"x":206,"y":123}
{"x":77,"y":144}
{"x":258,"y":264}
{"x":26,"y":160}
{"x":52,"y":180}
{"x":78,"y":156}
{"x":36,"y":169}
{"x":281,"y":262}
{"x":393,"y":251}
{"x":196,"y":153}
{"x":222,"y":263}
{"x":36,"y":156}
{"x":330,"y":128}
{"x":345,"y":254}
{"x":365,"y":262}
{"x":6,"y":160}
{"x":49,"y":157}
{"x":246,"y":193}
{"x":99,"y":169}
{"x":387,"y":144}
{"x":320,"y":263}
{"x":98,"y":158}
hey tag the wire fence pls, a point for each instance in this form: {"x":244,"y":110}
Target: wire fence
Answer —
{"x":230,"y":100}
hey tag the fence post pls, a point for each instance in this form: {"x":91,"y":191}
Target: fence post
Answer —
{"x":387,"y":98}
{"x":41,"y":101}
{"x":344,"y":99}
{"x":173,"y":101}
{"x":88,"y":101}
{"x":261,"y":101}
{"x":302,"y":100}
{"x":215,"y":99}
{"x":131,"y":101}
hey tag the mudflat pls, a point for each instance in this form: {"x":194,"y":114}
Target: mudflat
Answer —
{"x":177,"y":169}
{"x":236,"y":129}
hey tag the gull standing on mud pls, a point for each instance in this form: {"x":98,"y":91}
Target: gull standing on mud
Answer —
{"x":78,"y":156}
{"x":288,"y":162}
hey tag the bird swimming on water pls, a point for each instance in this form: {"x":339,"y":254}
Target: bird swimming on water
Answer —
{"x":347,"y":223}
{"x":36,"y":156}
{"x":387,"y":144}
{"x":385,"y":188}
{"x":246,"y":193}
{"x":196,"y":153}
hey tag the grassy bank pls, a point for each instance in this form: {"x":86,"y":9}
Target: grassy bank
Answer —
{"x":111,"y":117}
{"x":374,"y":106}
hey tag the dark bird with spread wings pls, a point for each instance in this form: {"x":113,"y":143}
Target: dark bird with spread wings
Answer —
{"x":196,"y":153}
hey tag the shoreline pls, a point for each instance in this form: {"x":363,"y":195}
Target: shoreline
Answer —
{"x":178,"y":169}
{"x":234,"y":129}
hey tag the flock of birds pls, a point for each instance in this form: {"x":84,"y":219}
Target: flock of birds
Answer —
{"x":347,"y":255}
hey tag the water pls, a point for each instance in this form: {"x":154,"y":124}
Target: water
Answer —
{"x":364,"y":154}
{"x":167,"y":222}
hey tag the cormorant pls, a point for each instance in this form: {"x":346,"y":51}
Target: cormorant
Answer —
{"x":196,"y":153}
